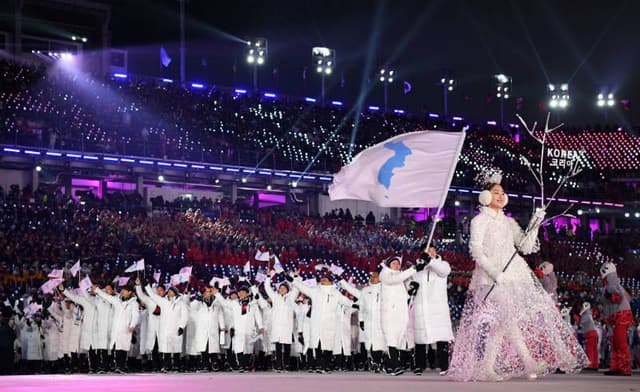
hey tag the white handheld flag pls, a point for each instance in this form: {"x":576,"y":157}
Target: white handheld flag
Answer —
{"x":310,"y":283}
{"x":277,"y":266}
{"x":55,"y":274}
{"x":123,"y":281}
{"x":175,"y":280}
{"x":136,"y":266}
{"x":336,"y":270}
{"x":85,"y":284}
{"x":50,"y":285}
{"x":260,"y":277}
{"x":156,"y":276}
{"x":75,"y":269}
{"x":185,"y":274}
{"x":411,"y":170}
{"x":247,"y":267}
{"x":262,"y":256}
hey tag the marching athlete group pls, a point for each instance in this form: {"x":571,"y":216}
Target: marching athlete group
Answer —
{"x":398,"y":320}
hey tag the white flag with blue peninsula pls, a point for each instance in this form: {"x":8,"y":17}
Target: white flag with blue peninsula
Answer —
{"x":412,"y":170}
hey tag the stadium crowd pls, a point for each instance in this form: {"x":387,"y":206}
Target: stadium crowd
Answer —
{"x":146,"y":117}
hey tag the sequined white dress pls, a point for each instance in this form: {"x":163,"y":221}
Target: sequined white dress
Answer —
{"x":518,"y":330}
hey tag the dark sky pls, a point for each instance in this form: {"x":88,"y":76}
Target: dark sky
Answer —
{"x":589,"y":44}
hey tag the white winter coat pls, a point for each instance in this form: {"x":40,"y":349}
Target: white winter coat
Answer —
{"x":282,"y":313}
{"x":31,"y":341}
{"x":493,"y":241}
{"x":369,"y":299}
{"x":103,"y":326}
{"x":325,"y":305}
{"x":342,"y":343}
{"x":51,"y":339}
{"x":125,"y":315}
{"x":88,"y":333}
{"x":72,"y":328}
{"x":153,"y":321}
{"x":394,"y":307}
{"x":54,"y":332}
{"x":173,"y":315}
{"x":216,"y":326}
{"x":245,"y":325}
{"x":197,"y":333}
{"x":432,"y":320}
{"x":301,"y":325}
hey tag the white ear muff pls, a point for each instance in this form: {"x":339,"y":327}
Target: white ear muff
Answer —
{"x":506,"y":200}
{"x":485,"y":198}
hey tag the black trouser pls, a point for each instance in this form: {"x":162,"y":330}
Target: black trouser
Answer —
{"x":231,"y":358}
{"x":34,"y":366}
{"x":440,"y":356}
{"x":156,"y":359}
{"x":244,"y":360}
{"x":376,"y":359}
{"x":170,"y":361}
{"x":283,"y":351}
{"x":394,"y":359}
{"x":319,"y":358}
{"x":121,"y":359}
{"x":93,"y":360}
{"x":104,"y":360}
{"x":83,"y":362}
{"x":420,"y":359}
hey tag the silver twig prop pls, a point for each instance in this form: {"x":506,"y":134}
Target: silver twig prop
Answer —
{"x":575,"y":168}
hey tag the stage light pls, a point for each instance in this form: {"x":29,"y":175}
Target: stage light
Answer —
{"x":244,"y":180}
{"x":269,"y":187}
{"x":580,"y":212}
{"x":260,"y":60}
{"x":294,"y":184}
{"x":327,"y":71}
{"x":251,"y":59}
{"x":38,"y":168}
{"x":626,"y":214}
{"x":558,"y":99}
{"x":161,"y":178}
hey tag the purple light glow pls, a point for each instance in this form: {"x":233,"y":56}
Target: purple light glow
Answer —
{"x":197,"y":85}
{"x":434,"y":115}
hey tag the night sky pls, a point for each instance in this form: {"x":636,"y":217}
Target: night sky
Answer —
{"x":589,"y":44}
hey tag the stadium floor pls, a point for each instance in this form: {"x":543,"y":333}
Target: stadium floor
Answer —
{"x":290,"y":382}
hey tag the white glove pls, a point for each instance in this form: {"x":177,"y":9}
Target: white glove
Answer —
{"x":540,"y":214}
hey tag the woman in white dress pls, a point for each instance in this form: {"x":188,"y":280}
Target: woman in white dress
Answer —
{"x":517,"y":330}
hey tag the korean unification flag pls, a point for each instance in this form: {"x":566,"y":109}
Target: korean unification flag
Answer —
{"x":136,"y":266}
{"x":412,"y":170}
{"x":75,"y":269}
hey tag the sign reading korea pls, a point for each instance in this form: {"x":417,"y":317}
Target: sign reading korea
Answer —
{"x":566,"y":158}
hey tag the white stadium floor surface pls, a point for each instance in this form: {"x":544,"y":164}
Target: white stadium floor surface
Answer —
{"x":306,"y":382}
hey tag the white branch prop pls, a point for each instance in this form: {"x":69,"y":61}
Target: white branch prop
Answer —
{"x":575,"y":168}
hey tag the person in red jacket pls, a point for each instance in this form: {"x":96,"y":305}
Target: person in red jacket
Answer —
{"x":617,"y":312}
{"x":590,"y":335}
